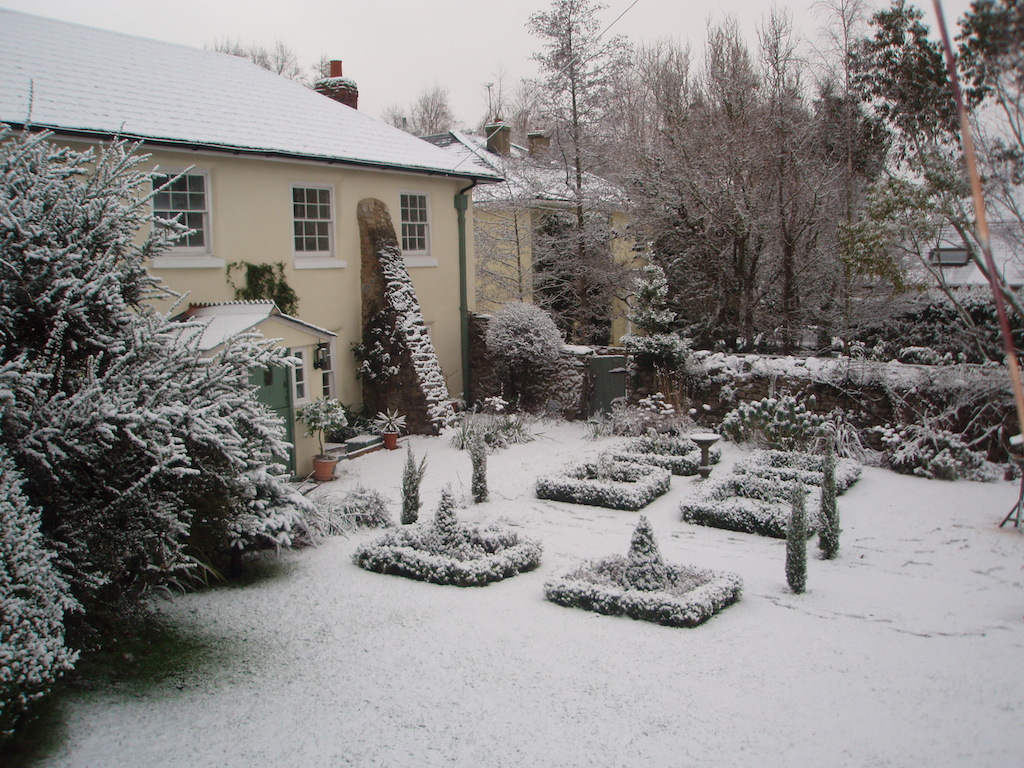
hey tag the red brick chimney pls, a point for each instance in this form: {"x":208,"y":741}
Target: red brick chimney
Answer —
{"x":337,"y":87}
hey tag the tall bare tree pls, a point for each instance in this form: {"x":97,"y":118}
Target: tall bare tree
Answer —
{"x":279,"y":58}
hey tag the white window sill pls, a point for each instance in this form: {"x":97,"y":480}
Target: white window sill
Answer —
{"x":314,"y":262}
{"x":420,"y":261}
{"x":187,"y":262}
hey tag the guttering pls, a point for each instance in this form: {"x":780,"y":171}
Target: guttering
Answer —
{"x":461,"y":205}
{"x":148,"y":141}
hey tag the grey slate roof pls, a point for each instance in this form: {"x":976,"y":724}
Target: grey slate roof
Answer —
{"x":83,"y":81}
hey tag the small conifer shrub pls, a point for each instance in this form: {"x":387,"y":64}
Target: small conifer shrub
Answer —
{"x":796,"y":543}
{"x":828,"y":519}
{"x":412,"y":476}
{"x":478,"y":455}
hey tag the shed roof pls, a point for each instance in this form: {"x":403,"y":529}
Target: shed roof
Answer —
{"x":223,"y":321}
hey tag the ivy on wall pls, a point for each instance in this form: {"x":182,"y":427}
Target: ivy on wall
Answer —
{"x":264,"y":282}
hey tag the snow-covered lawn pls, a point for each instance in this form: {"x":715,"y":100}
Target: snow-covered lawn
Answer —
{"x":908,"y":650}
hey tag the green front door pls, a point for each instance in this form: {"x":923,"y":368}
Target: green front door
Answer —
{"x":275,"y":391}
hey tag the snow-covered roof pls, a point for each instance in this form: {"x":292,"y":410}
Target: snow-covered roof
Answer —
{"x":228,"y":319}
{"x":950,"y":259}
{"x":92,"y":82}
{"x":526,"y":177}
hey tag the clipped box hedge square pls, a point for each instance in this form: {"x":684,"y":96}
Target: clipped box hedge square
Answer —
{"x":791,"y":466}
{"x":616,"y":485}
{"x":679,"y":455}
{"x":748,"y":504}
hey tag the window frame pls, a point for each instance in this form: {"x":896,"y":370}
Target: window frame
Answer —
{"x":331,"y":252}
{"x":300,"y":376}
{"x":426,"y":224}
{"x":169,"y":175}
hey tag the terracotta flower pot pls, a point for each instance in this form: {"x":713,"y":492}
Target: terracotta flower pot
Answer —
{"x":390,"y":440}
{"x":323,"y":468}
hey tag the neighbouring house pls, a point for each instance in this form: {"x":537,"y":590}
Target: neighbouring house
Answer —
{"x":950,"y":264}
{"x":512,"y":215}
{"x":269,"y":176}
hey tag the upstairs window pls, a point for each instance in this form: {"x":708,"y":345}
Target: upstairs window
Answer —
{"x":313,"y":218}
{"x":415,"y":224}
{"x":186,"y":198}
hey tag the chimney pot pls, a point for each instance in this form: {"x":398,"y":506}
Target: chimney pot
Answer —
{"x":336,"y":86}
{"x":538,"y":143}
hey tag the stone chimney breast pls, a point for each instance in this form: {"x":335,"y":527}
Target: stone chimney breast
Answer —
{"x":499,"y":137}
{"x":338,"y":87}
{"x":538,"y":143}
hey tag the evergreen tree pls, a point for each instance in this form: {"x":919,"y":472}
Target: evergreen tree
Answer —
{"x":478,"y":455}
{"x":33,"y":599}
{"x":412,"y":476}
{"x":140,"y":453}
{"x":828,"y":531}
{"x":445,"y":521}
{"x":645,"y":568}
{"x":796,"y":542}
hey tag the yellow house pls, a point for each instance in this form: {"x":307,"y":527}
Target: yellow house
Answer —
{"x":264,"y":172}
{"x":510,"y":214}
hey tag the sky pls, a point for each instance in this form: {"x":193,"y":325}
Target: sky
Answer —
{"x":396,"y":49}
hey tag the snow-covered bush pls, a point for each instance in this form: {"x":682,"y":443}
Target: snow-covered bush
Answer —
{"x":747,"y":504}
{"x":324,"y":416}
{"x":524,"y":340}
{"x":791,"y":466}
{"x":33,"y":600}
{"x":412,"y":476}
{"x":650,"y":413}
{"x":796,"y":542}
{"x":448,"y":551}
{"x":137,"y":450}
{"x":926,"y":451}
{"x":478,"y":457}
{"x":663,"y":351}
{"x":331,"y":516}
{"x":679,"y":455}
{"x":828,"y":519}
{"x":642,"y":586}
{"x":773,"y":422}
{"x":606,"y":483}
{"x":496,"y":428}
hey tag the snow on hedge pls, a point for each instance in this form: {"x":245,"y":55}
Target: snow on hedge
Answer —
{"x":447,"y":551}
{"x":679,"y":455}
{"x":748,"y":504}
{"x":606,"y":483}
{"x":797,"y":465}
{"x":33,"y":600}
{"x":642,"y":586}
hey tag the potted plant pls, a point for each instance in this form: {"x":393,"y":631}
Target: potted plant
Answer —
{"x":323,"y":417}
{"x":388,"y":424}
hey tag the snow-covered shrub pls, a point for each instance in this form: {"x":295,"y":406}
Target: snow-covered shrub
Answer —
{"x":642,"y":586}
{"x":33,"y":600}
{"x":332,"y":516}
{"x":650,"y":413}
{"x":662,"y":351}
{"x":796,"y":542}
{"x":747,"y":504}
{"x":497,"y":429}
{"x":478,"y":456}
{"x":773,"y":422}
{"x":926,"y":451}
{"x":137,"y":450}
{"x":412,"y":477}
{"x":616,"y":485}
{"x":323,"y":417}
{"x":828,"y":520}
{"x":791,"y":466}
{"x":523,"y":339}
{"x":449,"y":551}
{"x":679,"y":455}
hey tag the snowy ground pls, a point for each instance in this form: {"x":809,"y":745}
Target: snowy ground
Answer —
{"x":906,"y":651}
